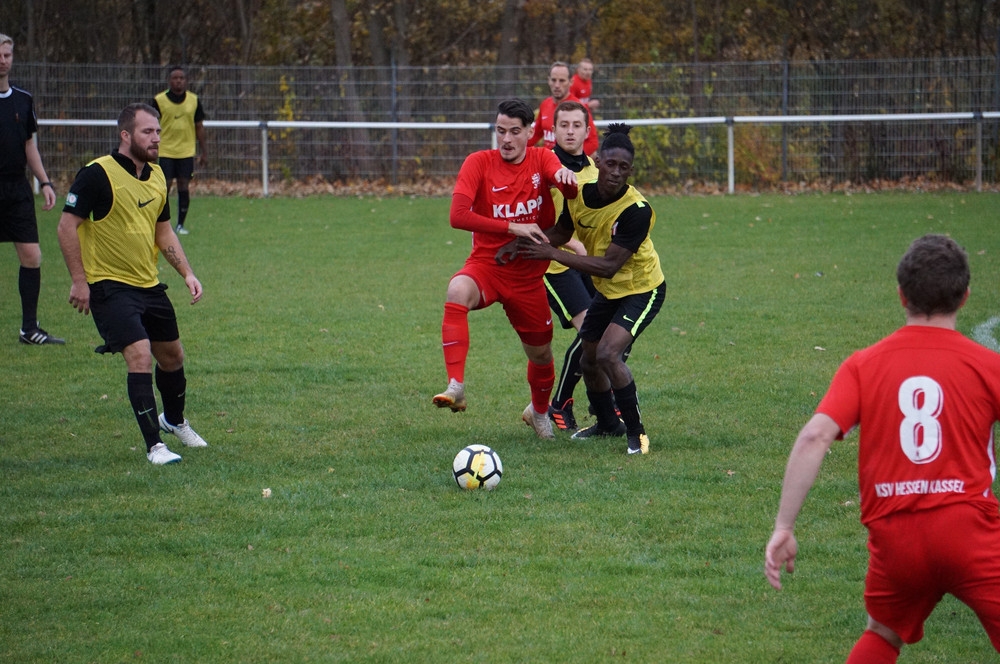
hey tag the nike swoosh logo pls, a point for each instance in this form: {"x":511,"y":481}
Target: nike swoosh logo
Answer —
{"x":145,"y":412}
{"x":628,"y":319}
{"x":496,"y":189}
{"x":142,"y":205}
{"x":548,"y":322}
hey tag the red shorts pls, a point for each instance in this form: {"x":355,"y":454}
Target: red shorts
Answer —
{"x":523,"y":298}
{"x":918,"y":557}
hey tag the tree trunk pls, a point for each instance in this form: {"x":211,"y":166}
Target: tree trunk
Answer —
{"x":358,"y":144}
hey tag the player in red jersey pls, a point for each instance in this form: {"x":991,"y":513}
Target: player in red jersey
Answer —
{"x":501,"y":194}
{"x":926,"y":399}
{"x":581,"y":85}
{"x":545,"y":125}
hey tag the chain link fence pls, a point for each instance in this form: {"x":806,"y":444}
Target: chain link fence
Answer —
{"x":765,"y":153}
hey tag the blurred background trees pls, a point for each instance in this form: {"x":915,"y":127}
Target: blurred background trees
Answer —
{"x":494,"y":32}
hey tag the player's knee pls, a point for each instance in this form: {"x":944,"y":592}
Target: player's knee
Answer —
{"x":169,"y":356}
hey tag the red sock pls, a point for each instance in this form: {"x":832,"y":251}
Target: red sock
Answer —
{"x":455,"y":339}
{"x":541,"y":378}
{"x":871,"y":648}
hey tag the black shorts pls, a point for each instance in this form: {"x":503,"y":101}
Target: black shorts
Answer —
{"x":125,"y":314}
{"x":632,"y":312}
{"x":569,"y":292}
{"x":177,"y":168}
{"x":17,"y":212}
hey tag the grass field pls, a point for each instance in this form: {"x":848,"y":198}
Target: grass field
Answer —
{"x":311,"y":363}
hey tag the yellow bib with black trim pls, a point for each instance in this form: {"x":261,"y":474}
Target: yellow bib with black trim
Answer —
{"x":587,"y":174}
{"x":122,"y":245}
{"x":595,"y":227}
{"x":177,"y":135}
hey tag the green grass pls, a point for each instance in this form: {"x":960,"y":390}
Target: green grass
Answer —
{"x":311,"y":362}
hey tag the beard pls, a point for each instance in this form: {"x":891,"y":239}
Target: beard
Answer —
{"x":145,"y":155}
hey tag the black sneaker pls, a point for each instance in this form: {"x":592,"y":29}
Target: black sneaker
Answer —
{"x":563,"y":417}
{"x":38,"y":337}
{"x":595,"y":430}
{"x":638,"y":443}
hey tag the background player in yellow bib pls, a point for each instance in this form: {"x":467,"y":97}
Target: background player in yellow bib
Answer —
{"x":181,"y":123}
{"x":114,"y":226}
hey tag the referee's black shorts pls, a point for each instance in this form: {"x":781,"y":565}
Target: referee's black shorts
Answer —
{"x":125,"y":314}
{"x":17,"y":212}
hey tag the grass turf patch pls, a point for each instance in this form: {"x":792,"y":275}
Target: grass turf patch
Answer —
{"x":311,"y":363}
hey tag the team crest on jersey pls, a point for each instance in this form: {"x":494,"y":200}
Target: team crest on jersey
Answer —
{"x":71,"y":199}
{"x":536,"y":180}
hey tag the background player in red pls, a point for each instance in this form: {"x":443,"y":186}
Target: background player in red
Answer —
{"x":926,"y":399}
{"x":582,"y":84}
{"x":500,"y":194}
{"x":544,"y":125}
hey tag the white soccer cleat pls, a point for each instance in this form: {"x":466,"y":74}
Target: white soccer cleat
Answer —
{"x":184,"y":432}
{"x":159,"y":455}
{"x":540,"y":422}
{"x":453,"y":397}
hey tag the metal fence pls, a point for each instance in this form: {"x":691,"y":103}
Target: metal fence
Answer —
{"x":761,"y":153}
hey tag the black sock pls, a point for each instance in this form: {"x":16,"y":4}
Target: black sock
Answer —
{"x":628,"y":403}
{"x":140,"y":395}
{"x":29,"y":285}
{"x":183,"y":201}
{"x":604,"y":409}
{"x":172,"y":386}
{"x":570,"y":375}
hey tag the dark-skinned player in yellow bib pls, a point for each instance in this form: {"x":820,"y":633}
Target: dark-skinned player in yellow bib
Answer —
{"x":613,"y":220}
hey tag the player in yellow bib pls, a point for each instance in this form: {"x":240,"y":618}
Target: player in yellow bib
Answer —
{"x":114,"y":226}
{"x":182,"y":123}
{"x":613,"y":221}
{"x":570,"y":291}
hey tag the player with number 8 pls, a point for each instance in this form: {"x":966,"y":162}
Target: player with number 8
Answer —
{"x":925,"y":399}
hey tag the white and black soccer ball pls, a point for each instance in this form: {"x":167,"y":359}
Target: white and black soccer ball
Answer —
{"x":477,"y":467}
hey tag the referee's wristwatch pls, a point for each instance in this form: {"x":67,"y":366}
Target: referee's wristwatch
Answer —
{"x":49,"y":184}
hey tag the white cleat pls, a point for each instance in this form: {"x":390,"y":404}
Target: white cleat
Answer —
{"x":540,"y":422}
{"x":183,"y":431}
{"x":453,"y":397}
{"x":159,"y":455}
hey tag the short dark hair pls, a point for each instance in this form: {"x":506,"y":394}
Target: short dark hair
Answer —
{"x":569,"y":107}
{"x":517,"y":108}
{"x":616,"y":136}
{"x":559,"y":63}
{"x":172,"y":68}
{"x":933,"y":275}
{"x":126,"y":119}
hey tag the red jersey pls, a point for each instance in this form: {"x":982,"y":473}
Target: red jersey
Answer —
{"x":926,"y":399}
{"x":545,"y":124}
{"x":580,"y":88}
{"x":503,"y":192}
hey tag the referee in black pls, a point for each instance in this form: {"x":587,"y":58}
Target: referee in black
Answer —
{"x":18,"y":223}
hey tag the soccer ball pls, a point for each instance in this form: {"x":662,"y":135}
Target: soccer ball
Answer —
{"x":477,"y":467}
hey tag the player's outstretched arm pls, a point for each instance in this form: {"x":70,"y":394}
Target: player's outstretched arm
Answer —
{"x":804,"y":463}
